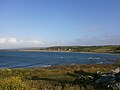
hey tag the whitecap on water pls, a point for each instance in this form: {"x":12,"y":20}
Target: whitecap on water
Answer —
{"x":90,"y":58}
{"x":94,"y":58}
{"x":99,"y":62}
{"x":61,"y":57}
{"x":73,"y":64}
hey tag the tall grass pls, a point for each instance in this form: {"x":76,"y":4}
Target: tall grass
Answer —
{"x":50,"y":78}
{"x":13,"y":83}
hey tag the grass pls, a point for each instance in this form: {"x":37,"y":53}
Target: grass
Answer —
{"x":49,"y":78}
{"x":100,"y":49}
{"x":116,"y":61}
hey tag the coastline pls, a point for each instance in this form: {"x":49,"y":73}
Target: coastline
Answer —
{"x":68,"y":51}
{"x":67,"y":76}
{"x":60,"y":58}
{"x":64,"y":51}
{"x":42,"y":51}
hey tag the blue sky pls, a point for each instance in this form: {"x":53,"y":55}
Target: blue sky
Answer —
{"x":59,"y":22}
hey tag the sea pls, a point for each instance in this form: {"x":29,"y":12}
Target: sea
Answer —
{"x":46,"y":59}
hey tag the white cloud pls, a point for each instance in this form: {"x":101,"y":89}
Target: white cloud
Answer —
{"x":59,"y":43}
{"x":12,"y":42}
{"x":2,"y":40}
{"x":98,"y":40}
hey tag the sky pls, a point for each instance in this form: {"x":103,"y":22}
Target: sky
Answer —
{"x":41,"y":23}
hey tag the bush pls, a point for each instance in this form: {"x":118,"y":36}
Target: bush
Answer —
{"x":13,"y":83}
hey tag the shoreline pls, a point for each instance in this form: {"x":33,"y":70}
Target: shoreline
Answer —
{"x":67,"y":65}
{"x":116,"y":63}
{"x":63,"y":76}
{"x":42,"y":51}
{"x":67,"y":51}
{"x":53,"y":51}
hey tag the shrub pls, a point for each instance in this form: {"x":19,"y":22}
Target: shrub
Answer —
{"x":13,"y":83}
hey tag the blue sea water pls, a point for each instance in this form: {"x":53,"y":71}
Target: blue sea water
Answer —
{"x":44,"y":59}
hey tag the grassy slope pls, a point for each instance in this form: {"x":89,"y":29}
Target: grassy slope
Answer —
{"x":109,"y":48}
{"x":50,"y":78}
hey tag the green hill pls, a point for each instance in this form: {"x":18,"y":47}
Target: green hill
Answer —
{"x":102,"y":49}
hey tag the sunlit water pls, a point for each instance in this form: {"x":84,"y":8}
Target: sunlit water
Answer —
{"x":44,"y":59}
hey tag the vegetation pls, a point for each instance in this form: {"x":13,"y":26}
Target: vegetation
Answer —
{"x":52,"y":78}
{"x":100,"y":49}
{"x":117,"y":61}
{"x":104,"y":49}
{"x":13,"y":83}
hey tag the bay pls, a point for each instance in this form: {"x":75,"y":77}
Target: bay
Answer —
{"x":45,"y":59}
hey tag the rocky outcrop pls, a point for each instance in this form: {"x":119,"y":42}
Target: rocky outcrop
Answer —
{"x":110,"y":79}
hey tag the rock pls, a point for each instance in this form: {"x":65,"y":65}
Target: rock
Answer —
{"x":83,"y":79}
{"x":114,"y":86}
{"x":117,"y":70}
{"x":110,"y":79}
{"x":104,"y":80}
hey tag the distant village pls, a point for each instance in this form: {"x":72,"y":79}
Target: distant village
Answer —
{"x":100,"y":49}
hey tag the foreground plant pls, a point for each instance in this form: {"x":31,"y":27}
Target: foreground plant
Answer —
{"x":13,"y":83}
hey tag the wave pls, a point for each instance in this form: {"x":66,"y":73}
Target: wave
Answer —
{"x":31,"y":66}
{"x":94,"y":58}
